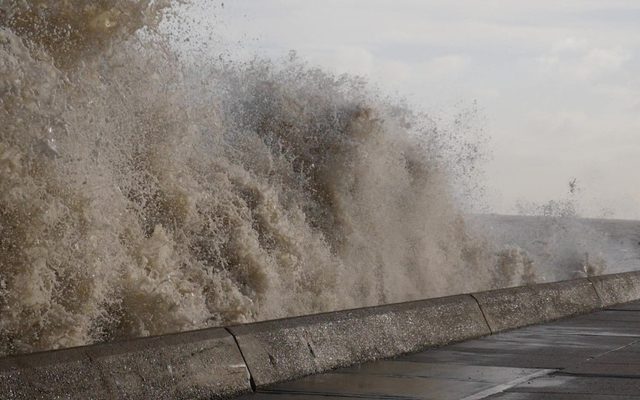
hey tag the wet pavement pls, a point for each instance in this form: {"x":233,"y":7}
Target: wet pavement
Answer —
{"x":590,"y":357}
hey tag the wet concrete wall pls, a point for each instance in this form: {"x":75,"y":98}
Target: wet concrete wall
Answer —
{"x":223,"y":362}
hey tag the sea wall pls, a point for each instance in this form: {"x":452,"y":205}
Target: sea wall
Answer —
{"x":223,"y":362}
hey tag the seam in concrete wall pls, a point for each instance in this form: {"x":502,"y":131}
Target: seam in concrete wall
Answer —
{"x":483,"y":315}
{"x":246,"y":364}
{"x":595,"y":289}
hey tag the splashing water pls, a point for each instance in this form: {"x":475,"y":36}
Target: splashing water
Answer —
{"x":139,"y":195}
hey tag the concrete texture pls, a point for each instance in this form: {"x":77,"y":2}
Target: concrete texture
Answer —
{"x":520,"y":306}
{"x":64,"y":374}
{"x":617,"y":288}
{"x":194,"y":365}
{"x":217,"y":363}
{"x":589,"y":357}
{"x":281,"y":350}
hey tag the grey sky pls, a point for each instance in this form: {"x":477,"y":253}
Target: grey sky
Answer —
{"x":556,"y":81}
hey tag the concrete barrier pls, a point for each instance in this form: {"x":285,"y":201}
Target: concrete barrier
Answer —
{"x":202,"y":364}
{"x":285,"y":349}
{"x":526,"y":305}
{"x":617,"y":288}
{"x":224,"y":362}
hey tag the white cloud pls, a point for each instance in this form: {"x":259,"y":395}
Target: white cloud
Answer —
{"x":445,"y":66}
{"x":569,"y":45}
{"x":575,"y":59}
{"x":601,"y":60}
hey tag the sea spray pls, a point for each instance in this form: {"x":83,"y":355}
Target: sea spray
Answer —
{"x":140,"y":195}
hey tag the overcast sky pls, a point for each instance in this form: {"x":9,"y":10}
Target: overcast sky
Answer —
{"x":556,"y":81}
